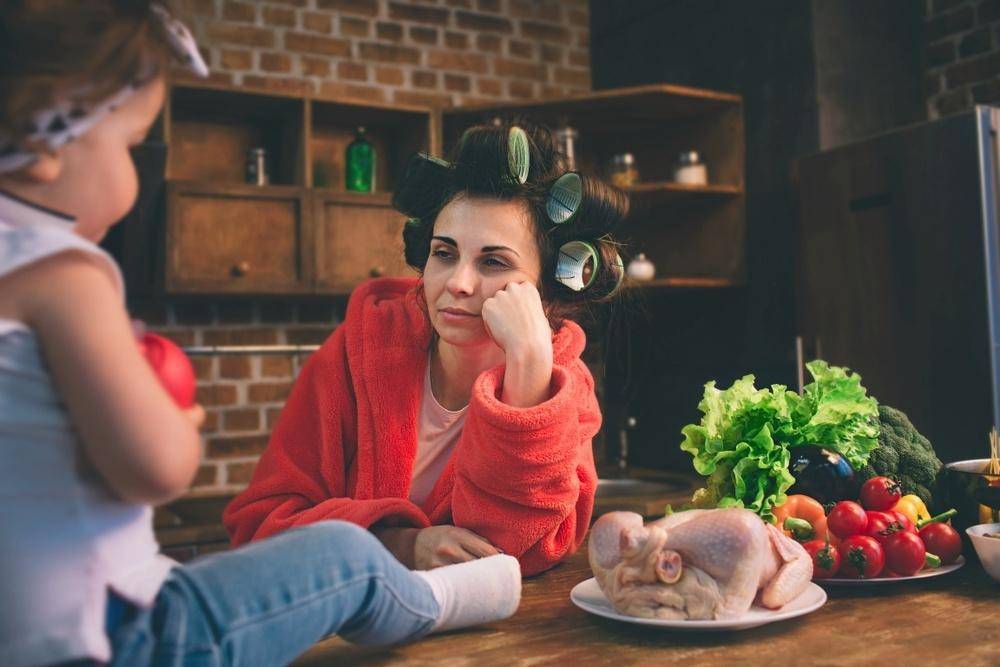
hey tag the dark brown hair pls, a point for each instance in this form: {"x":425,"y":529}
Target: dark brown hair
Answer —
{"x":478,"y":168}
{"x":50,"y":47}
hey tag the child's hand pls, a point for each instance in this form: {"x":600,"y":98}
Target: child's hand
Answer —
{"x":446,"y":545}
{"x":196,"y":415}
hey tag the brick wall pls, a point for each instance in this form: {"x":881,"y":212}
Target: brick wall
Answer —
{"x":962,"y":55}
{"x":427,"y":52}
{"x":242,"y":394}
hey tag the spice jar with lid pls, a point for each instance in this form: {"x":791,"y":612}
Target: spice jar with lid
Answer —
{"x":623,"y":171}
{"x":690,"y":169}
{"x":641,"y":269}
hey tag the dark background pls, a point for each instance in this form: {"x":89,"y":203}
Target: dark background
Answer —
{"x":813,"y":75}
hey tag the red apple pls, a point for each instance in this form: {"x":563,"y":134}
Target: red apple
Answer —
{"x":171,"y":365}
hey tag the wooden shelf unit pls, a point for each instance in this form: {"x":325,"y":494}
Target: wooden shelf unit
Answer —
{"x":303,"y":233}
{"x":695,"y":235}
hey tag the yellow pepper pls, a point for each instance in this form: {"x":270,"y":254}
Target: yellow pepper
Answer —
{"x":988,"y":515}
{"x":913,"y":507}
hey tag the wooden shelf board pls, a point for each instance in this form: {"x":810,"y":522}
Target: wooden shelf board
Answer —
{"x":669,"y":189}
{"x":234,"y":189}
{"x":376,"y":198}
{"x":652,"y":102}
{"x":682,"y":282}
{"x":292,"y":95}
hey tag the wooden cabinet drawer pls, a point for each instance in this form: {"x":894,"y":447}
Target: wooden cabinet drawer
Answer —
{"x":235,"y":239}
{"x":357,"y":237}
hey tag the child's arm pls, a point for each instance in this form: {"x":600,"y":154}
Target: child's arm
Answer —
{"x":144,"y":446}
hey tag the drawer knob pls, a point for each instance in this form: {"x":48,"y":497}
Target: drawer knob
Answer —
{"x":377,"y":271}
{"x":240,"y":269}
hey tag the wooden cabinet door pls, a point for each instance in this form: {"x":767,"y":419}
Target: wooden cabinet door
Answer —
{"x":358,"y":236}
{"x":235,"y":239}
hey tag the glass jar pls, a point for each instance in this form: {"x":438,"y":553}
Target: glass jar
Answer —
{"x":566,"y":137}
{"x":622,"y":171}
{"x":690,"y":170}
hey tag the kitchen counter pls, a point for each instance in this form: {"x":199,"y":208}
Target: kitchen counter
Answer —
{"x":954,"y":618}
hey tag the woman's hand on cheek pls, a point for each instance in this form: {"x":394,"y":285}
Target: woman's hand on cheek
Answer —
{"x":447,"y":545}
{"x":515,"y":320}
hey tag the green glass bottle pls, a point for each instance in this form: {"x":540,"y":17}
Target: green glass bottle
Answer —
{"x":360,"y":160}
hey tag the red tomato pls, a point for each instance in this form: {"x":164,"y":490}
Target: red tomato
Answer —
{"x":171,"y":366}
{"x":886,"y":517}
{"x":862,"y":557}
{"x":880,"y":493}
{"x":879,"y":526}
{"x":903,"y":521}
{"x":943,"y":541}
{"x":882,"y":525}
{"x":847,"y":518}
{"x":904,"y":553}
{"x":825,"y":558}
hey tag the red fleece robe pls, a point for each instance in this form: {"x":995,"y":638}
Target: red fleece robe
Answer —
{"x":345,"y":443}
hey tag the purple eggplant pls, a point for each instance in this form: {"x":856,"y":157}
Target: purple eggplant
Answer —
{"x":822,"y":474}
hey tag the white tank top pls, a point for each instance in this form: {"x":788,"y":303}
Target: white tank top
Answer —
{"x":65,"y":538}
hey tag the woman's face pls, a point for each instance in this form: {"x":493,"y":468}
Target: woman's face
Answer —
{"x":479,"y":247}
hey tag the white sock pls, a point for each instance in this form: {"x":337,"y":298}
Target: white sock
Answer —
{"x":479,"y":591}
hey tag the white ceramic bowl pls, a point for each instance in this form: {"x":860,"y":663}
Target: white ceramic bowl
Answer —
{"x":988,"y":548}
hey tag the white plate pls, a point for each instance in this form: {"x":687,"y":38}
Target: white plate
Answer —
{"x":923,"y":574}
{"x":587,"y":595}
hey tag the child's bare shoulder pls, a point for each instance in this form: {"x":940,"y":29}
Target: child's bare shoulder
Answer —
{"x":65,"y":280}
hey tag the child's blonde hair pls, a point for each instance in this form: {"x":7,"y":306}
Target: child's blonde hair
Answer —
{"x":51,"y":47}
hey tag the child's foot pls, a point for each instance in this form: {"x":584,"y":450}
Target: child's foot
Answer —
{"x":478,"y":591}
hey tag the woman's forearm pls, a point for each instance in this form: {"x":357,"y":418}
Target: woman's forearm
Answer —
{"x":527,"y":377}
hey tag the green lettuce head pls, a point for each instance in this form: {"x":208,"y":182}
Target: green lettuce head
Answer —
{"x":742,"y":443}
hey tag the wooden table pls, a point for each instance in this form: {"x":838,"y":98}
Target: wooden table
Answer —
{"x":952,"y":619}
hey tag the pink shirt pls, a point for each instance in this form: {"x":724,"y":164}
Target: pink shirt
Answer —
{"x":437,"y":433}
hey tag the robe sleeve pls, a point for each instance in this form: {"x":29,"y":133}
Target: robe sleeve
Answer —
{"x":525,"y":477}
{"x":302,"y":477}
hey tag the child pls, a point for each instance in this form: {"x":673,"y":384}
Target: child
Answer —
{"x":89,"y":438}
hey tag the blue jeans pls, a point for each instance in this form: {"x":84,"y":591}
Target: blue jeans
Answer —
{"x":269,"y":601}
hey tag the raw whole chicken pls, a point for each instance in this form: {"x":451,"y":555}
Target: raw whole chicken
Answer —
{"x":698,"y":564}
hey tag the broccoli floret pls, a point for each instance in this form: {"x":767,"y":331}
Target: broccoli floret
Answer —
{"x":904,"y":455}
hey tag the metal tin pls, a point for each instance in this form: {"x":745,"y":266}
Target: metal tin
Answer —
{"x":256,"y":166}
{"x":566,"y":140}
